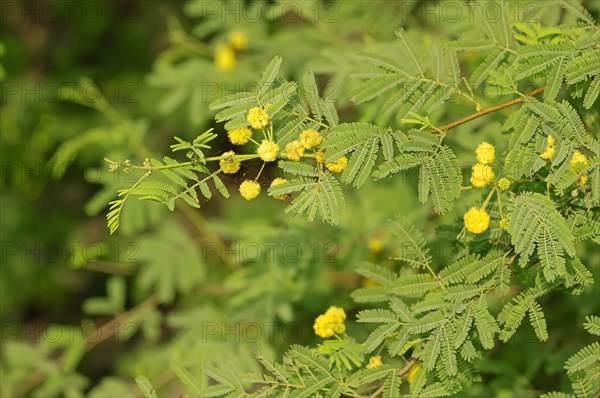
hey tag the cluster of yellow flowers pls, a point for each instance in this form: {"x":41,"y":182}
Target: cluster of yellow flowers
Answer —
{"x":225,"y":56}
{"x":477,"y":220}
{"x":251,"y":189}
{"x":268,"y":151}
{"x":549,"y":150}
{"x":330,"y":323}
{"x":482,"y":173}
{"x":308,"y":139}
{"x":374,"y":361}
{"x":338,"y":165}
{"x":579,"y":158}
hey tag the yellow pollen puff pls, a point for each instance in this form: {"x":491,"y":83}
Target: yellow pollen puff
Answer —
{"x":228,"y":164}
{"x":476,"y":220}
{"x":503,"y":224}
{"x":413,"y":372}
{"x":367,"y":282}
{"x":249,"y":189}
{"x":224,"y":58}
{"x":375,"y":245}
{"x":336,"y":313}
{"x":278,"y":181}
{"x":485,"y":153}
{"x":338,"y":165}
{"x":239,"y":136}
{"x":549,"y":150}
{"x":320,"y":156}
{"x":481,"y":175}
{"x":257,"y":118}
{"x":504,"y":184}
{"x":268,"y":150}
{"x":310,"y":138}
{"x":579,"y":158}
{"x":374,"y":362}
{"x":294,"y":150}
{"x":238,"y":39}
{"x":330,"y":323}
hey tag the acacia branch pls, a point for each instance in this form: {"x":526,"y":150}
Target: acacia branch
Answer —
{"x":104,"y":333}
{"x":485,"y":111}
{"x":107,"y":330}
{"x":404,"y":370}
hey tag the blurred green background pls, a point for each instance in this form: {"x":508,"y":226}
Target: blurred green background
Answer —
{"x":86,"y":80}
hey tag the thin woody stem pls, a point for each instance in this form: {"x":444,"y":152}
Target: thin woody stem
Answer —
{"x":485,"y":111}
{"x":104,"y":333}
{"x":404,"y":370}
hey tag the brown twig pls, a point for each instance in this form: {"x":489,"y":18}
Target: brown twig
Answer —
{"x":404,"y":370}
{"x":200,"y":224}
{"x":597,"y":394}
{"x":105,"y":332}
{"x":109,"y":329}
{"x":485,"y":111}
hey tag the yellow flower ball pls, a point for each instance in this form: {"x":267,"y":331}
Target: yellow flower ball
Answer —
{"x":268,"y":150}
{"x":310,"y":138}
{"x":278,"y":181}
{"x":228,"y":164}
{"x":503,"y":224}
{"x":257,"y":118}
{"x":578,"y":158}
{"x":413,"y":372}
{"x":323,"y":327}
{"x":481,"y":175}
{"x":336,"y":313}
{"x":485,"y":153}
{"x":225,"y":58}
{"x":240,"y":136}
{"x":476,"y":220}
{"x":338,"y":165}
{"x":249,"y":189}
{"x":330,"y":323}
{"x":367,"y":282}
{"x":320,"y":156}
{"x":375,"y":245}
{"x":504,"y":184}
{"x":294,"y":150}
{"x":549,"y":149}
{"x":374,"y":362}
{"x":238,"y":39}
